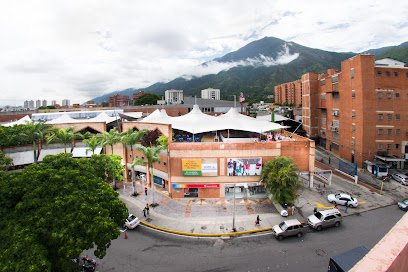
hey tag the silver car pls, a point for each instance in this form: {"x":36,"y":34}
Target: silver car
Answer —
{"x":324,"y":219}
{"x":401,"y":178}
{"x":288,"y":228}
{"x":342,"y":199}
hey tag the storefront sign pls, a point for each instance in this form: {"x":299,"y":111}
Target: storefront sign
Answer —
{"x":244,"y":166}
{"x":199,"y":167}
{"x":199,"y":185}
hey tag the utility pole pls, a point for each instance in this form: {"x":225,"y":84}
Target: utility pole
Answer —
{"x":233,"y":214}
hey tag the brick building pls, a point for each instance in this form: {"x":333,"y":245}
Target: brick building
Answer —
{"x":290,"y":93}
{"x":360,"y":111}
{"x":119,"y":101}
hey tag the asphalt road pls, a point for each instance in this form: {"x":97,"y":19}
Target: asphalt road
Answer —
{"x":147,"y":250}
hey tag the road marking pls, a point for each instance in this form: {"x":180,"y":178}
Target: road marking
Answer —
{"x":320,"y":205}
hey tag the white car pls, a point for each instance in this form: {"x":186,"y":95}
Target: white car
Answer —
{"x":342,"y":199}
{"x":132,"y":221}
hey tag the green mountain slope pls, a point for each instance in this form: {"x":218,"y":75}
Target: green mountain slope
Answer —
{"x":398,"y":53}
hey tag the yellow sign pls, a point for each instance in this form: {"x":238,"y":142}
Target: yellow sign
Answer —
{"x":191,"y":167}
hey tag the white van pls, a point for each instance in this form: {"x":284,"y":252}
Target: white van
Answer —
{"x":324,"y":219}
{"x":401,"y":178}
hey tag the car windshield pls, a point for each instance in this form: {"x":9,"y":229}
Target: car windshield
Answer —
{"x":352,"y":199}
{"x":318,"y":215}
{"x":131,"y":217}
{"x":405,"y":201}
{"x":283,"y":226}
{"x":337,"y":195}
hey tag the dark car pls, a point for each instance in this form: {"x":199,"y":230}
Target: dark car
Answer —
{"x":403,"y":205}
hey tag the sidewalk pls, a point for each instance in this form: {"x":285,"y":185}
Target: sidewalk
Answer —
{"x":206,"y":217}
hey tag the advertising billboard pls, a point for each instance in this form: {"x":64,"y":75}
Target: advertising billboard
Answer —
{"x":199,"y":167}
{"x":244,"y":166}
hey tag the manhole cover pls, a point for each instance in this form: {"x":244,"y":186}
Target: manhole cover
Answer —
{"x":203,"y":227}
{"x":320,"y":252}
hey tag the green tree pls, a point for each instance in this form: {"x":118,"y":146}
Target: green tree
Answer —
{"x":92,"y":143}
{"x":110,"y":138}
{"x":151,"y":155}
{"x":281,"y":179}
{"x":36,"y":133}
{"x":5,"y":161}
{"x":147,"y":99}
{"x":163,"y":141}
{"x":130,"y":138}
{"x":64,"y":136}
{"x":108,"y":167}
{"x":53,"y":211}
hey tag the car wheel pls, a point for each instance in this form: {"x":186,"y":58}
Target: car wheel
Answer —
{"x":280,"y":237}
{"x":333,"y":202}
{"x":319,"y":228}
{"x":350,"y":205}
{"x":300,"y":234}
{"x":337,"y":224}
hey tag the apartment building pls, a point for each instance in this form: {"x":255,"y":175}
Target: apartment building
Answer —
{"x":119,"y":101}
{"x":173,"y":96}
{"x":290,"y":93}
{"x":359,"y":112}
{"x":210,"y":93}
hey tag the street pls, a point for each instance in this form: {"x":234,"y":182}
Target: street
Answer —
{"x":147,"y":250}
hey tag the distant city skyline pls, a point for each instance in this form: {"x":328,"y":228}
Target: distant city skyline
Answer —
{"x":80,"y":50}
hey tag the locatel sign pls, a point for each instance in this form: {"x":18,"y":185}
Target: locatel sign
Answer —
{"x":199,"y":185}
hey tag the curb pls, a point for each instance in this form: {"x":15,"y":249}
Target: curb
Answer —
{"x":227,"y":234}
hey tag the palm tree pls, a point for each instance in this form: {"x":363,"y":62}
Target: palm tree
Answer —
{"x":130,"y":138}
{"x":281,"y":179}
{"x":152,"y":155}
{"x":36,"y":132}
{"x":92,"y":143}
{"x":110,"y":138}
{"x":65,"y":136}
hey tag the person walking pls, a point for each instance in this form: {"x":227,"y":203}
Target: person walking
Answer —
{"x":346,"y":207}
{"x":258,"y":220}
{"x":314,"y":210}
{"x":147,"y":209}
{"x":144,"y":212}
{"x":146,"y":191}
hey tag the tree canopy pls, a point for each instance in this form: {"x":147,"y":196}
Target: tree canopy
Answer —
{"x":5,"y":161}
{"x":53,"y":211}
{"x":147,"y":99}
{"x":281,"y":179}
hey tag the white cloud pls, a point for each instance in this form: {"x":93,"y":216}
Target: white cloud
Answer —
{"x":79,"y":49}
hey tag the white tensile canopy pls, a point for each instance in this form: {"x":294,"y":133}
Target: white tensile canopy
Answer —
{"x":268,"y":117}
{"x":66,"y":119}
{"x":198,"y":122}
{"x":22,"y":121}
{"x":63,"y":119}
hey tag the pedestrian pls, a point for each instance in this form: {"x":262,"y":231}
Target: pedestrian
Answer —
{"x":346,"y":207}
{"x":144,"y":212}
{"x":329,"y":159}
{"x":146,"y":191}
{"x":314,"y":210}
{"x":147,"y":209}
{"x":258,"y":220}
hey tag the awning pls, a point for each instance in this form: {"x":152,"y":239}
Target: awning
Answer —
{"x":85,"y":152}
{"x":389,"y":159}
{"x":157,"y":173}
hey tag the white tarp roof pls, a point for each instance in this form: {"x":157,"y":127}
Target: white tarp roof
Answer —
{"x":66,"y":119}
{"x":22,"y":121}
{"x":27,"y":157}
{"x":136,"y":114}
{"x":268,"y":117}
{"x":85,"y":152}
{"x":197,"y":122}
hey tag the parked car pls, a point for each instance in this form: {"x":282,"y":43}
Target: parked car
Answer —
{"x":288,"y":228}
{"x":342,"y":199}
{"x":401,"y":178}
{"x":324,"y":219}
{"x":132,"y":221}
{"x":403,"y":205}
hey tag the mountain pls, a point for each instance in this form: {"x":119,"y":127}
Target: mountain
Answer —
{"x":399,"y":52}
{"x":381,"y":51}
{"x":256,"y":68}
{"x":105,"y":97}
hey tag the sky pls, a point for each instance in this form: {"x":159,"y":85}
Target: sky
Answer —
{"x":80,"y":49}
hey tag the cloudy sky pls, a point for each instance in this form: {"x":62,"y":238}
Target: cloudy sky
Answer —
{"x":80,"y":49}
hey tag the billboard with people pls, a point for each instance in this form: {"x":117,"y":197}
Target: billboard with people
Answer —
{"x":244,"y":166}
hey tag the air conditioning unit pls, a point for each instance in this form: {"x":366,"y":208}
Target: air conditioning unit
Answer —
{"x":336,"y":113}
{"x":334,"y":129}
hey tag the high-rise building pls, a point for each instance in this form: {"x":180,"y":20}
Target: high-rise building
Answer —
{"x":37,"y":103}
{"x":290,"y":92}
{"x":173,"y":96}
{"x":53,"y":102}
{"x":66,"y":103}
{"x":119,"y":101}
{"x":210,"y":93}
{"x":44,"y":103}
{"x":360,"y":112}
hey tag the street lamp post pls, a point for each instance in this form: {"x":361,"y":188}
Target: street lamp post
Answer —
{"x":233,"y":214}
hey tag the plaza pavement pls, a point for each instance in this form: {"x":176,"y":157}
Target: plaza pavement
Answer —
{"x":214,"y":217}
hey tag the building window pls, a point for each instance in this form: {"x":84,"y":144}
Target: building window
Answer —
{"x":322,"y":82}
{"x":395,"y":74}
{"x":389,"y":95}
{"x":397,"y":95}
{"x":397,"y":131}
{"x":323,"y":96}
{"x":380,"y":146}
{"x":353,"y":94}
{"x":406,"y":74}
{"x":389,"y":131}
{"x":352,"y":72}
{"x":353,"y":114}
{"x":389,"y":146}
{"x":379,"y":73}
{"x":397,"y":116}
{"x":389,"y":117}
{"x":164,"y":163}
{"x":353,"y":142}
{"x":396,"y":146}
{"x":387,"y":73}
{"x":353,"y":128}
{"x":380,"y":116}
{"x":379,"y":95}
{"x":380,"y":131}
